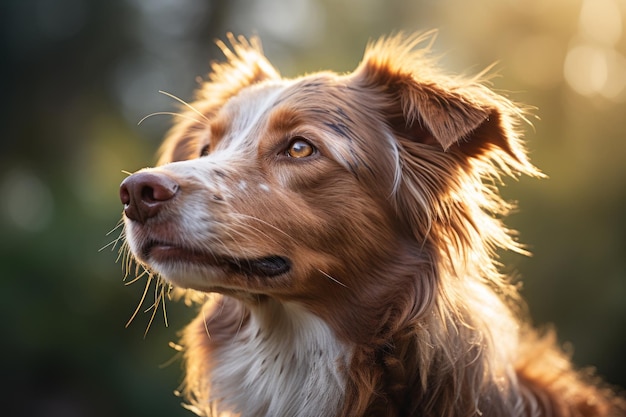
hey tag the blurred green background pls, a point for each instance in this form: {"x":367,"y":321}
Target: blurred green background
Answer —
{"x":78,"y":75}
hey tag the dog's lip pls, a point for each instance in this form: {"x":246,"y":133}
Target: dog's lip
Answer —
{"x":267,"y":266}
{"x":155,"y":250}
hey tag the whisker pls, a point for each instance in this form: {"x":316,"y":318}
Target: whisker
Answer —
{"x":124,"y":251}
{"x":137,"y":277}
{"x":250,"y":228}
{"x":159,"y":296}
{"x":163,"y":296}
{"x":143,"y":297}
{"x":265,"y":223}
{"x":127,"y":259}
{"x":124,"y":254}
{"x":206,"y":325}
{"x":119,"y":224}
{"x":113,"y":243}
{"x":154,"y":311}
{"x":161,"y":289}
{"x":333,"y":279}
{"x":169,"y":113}
{"x":183,"y":102}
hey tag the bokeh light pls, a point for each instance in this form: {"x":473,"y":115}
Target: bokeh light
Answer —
{"x":594,"y":65}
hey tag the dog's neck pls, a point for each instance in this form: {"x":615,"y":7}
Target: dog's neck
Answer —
{"x":278,"y":360}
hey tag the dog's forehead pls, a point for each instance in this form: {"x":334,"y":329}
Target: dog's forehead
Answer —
{"x":252,"y":104}
{"x":249,"y":112}
{"x":319,"y":94}
{"x":245,"y":114}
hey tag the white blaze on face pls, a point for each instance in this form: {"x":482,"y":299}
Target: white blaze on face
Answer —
{"x":248,"y":112}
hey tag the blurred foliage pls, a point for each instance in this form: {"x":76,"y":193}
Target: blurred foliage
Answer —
{"x":78,"y":76}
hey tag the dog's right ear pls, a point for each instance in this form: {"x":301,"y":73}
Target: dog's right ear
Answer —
{"x":245,"y":65}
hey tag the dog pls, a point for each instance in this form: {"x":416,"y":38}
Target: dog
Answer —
{"x":344,"y":228}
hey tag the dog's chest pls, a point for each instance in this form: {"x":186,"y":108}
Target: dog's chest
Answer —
{"x":290,"y":366}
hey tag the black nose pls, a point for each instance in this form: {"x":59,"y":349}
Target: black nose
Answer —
{"x":144,"y":194}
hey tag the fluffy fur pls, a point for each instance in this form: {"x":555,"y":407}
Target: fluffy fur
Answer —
{"x":346,"y":227}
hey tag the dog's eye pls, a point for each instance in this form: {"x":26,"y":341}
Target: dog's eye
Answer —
{"x":300,"y":148}
{"x":206,"y":149}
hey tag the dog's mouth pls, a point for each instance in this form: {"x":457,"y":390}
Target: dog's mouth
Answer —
{"x":265,"y":266}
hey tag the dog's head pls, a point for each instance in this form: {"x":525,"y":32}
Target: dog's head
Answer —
{"x":315,"y":188}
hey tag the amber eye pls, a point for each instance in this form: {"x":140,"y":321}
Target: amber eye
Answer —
{"x":300,"y":148}
{"x":206,"y":149}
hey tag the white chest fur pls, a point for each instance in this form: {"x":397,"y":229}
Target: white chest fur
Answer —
{"x":285,"y":362}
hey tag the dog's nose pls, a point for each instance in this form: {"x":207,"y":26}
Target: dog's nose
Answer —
{"x":144,"y":194}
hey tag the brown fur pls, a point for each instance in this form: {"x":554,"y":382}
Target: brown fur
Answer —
{"x":410,"y":227}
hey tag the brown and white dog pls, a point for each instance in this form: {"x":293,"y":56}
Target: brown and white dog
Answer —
{"x":348,"y":225}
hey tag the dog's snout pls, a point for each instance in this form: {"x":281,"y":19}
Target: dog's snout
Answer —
{"x":144,"y":194}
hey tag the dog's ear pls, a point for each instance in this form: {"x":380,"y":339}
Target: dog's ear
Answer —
{"x":457,"y":115}
{"x":245,"y":65}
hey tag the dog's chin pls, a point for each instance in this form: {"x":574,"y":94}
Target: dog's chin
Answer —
{"x":209,"y":272}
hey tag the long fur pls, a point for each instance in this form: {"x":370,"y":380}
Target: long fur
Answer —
{"x":393,"y":304}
